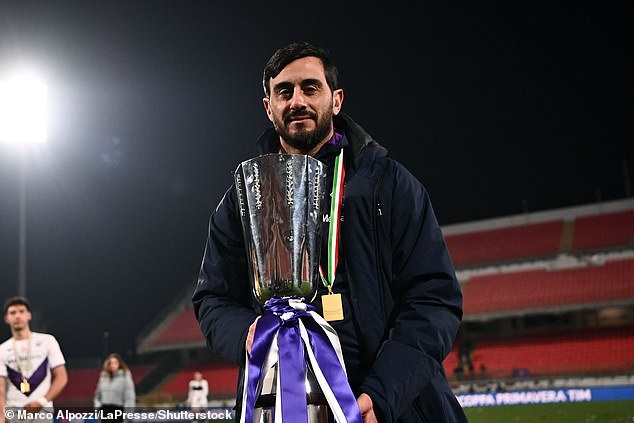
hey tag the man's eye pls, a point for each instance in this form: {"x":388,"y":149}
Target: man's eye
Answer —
{"x":310,"y":90}
{"x":284,"y":93}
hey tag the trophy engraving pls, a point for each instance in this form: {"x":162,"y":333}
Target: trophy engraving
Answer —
{"x":280,"y":199}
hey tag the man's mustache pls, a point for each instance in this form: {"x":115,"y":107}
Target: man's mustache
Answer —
{"x":299,"y":115}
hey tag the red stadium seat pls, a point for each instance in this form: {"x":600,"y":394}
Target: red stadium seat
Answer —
{"x":510,"y":243}
{"x":592,"y":351}
{"x":538,"y":289}
{"x":604,"y":230}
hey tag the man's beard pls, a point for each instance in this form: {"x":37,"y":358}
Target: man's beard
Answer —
{"x":305,"y":140}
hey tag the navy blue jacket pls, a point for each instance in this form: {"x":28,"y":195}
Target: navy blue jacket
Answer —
{"x":403,"y":288}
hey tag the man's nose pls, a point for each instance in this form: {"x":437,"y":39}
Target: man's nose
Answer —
{"x":298,"y":101}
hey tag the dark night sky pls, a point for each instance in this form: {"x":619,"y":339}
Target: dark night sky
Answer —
{"x":494,"y":106}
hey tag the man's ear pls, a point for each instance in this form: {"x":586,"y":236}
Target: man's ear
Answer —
{"x":337,"y":101}
{"x":267,"y":106}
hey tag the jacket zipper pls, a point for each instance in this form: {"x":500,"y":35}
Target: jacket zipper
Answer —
{"x":375,"y":224}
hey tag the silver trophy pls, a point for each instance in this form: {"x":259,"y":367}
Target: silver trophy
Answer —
{"x":281,"y":200}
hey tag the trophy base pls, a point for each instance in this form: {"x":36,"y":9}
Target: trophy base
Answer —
{"x":317,"y":409}
{"x":316,"y":403}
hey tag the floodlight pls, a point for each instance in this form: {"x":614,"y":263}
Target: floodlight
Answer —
{"x":22,"y":111}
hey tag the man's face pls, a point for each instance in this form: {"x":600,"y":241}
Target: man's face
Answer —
{"x":17,"y":317}
{"x":301,"y":105}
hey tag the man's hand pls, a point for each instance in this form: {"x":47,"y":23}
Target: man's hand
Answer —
{"x":251,"y":334}
{"x":367,"y":409}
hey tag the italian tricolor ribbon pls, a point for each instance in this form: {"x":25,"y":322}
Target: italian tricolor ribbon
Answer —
{"x":336,"y":202}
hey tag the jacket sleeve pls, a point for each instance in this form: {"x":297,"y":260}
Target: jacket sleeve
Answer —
{"x":205,"y":388}
{"x":97,"y":398}
{"x":129,"y":394}
{"x":222,"y":298}
{"x":427,"y":301}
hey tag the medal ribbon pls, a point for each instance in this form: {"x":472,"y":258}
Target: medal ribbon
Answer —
{"x":22,"y":371}
{"x":336,"y":200}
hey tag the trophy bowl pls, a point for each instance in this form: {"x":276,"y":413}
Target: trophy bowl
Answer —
{"x":281,"y":198}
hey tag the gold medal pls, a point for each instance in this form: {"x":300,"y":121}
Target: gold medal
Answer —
{"x":25,"y":387}
{"x":332,"y":306}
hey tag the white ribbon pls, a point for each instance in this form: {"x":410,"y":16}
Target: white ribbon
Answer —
{"x":273,"y":357}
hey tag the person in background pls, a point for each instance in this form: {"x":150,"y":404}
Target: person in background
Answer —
{"x":396,"y":284}
{"x":32,"y":366}
{"x":115,"y":389}
{"x":197,"y":392}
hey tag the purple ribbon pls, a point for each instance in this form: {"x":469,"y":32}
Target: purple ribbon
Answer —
{"x":281,"y":318}
{"x":330,"y":366}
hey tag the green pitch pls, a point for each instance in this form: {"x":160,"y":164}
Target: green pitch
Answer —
{"x":581,"y":412}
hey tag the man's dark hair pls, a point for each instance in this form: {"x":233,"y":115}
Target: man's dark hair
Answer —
{"x":294,"y":51}
{"x":16,"y":301}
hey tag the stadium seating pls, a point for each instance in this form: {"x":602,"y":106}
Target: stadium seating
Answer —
{"x":80,"y":389}
{"x":604,"y":230}
{"x":503,"y":244}
{"x":451,"y":361}
{"x":82,"y":382}
{"x":181,"y":329}
{"x":591,"y":351}
{"x":222,"y":378}
{"x":538,"y":289}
